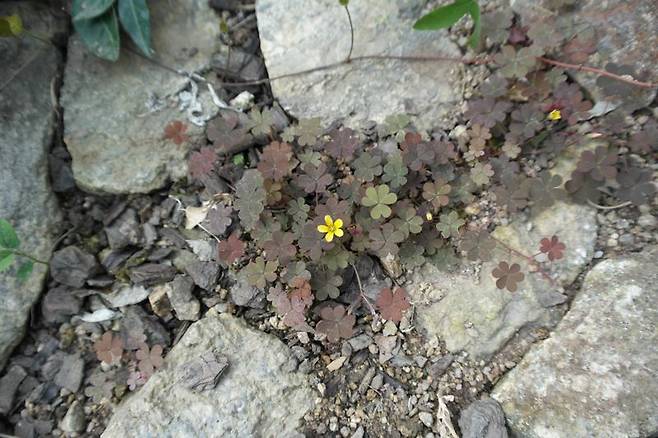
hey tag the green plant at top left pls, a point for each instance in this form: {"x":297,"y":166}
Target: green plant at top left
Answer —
{"x":97,"y":23}
{"x":10,"y":251}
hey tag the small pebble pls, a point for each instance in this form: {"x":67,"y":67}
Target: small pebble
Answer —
{"x":598,"y":254}
{"x":390,"y":328}
{"x":336,"y":364}
{"x":426,"y":418}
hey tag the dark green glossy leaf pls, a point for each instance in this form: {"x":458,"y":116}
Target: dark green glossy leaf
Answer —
{"x":474,"y":10}
{"x":24,"y":271}
{"x":100,"y":35}
{"x":134,"y":17}
{"x":88,"y":9}
{"x":8,"y":237}
{"x":445,"y":16}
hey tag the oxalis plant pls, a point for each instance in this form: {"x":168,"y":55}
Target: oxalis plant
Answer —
{"x":10,"y":252}
{"x":303,"y":211}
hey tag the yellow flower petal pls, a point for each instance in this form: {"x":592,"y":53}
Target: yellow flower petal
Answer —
{"x":328,"y":221}
{"x":554,"y":115}
{"x":338,"y":233}
{"x":338,"y":223}
{"x":323,"y":228}
{"x":329,"y":236}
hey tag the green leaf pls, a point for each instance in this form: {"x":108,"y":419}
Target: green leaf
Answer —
{"x":379,"y":198}
{"x":8,"y":237}
{"x":88,"y":9}
{"x":6,"y":259}
{"x":474,"y":10}
{"x":100,"y":34}
{"x":11,"y":26}
{"x":344,"y":2}
{"x":445,"y":16}
{"x":134,"y":17}
{"x":24,"y":271}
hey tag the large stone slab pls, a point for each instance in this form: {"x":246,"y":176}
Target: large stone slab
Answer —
{"x":296,"y":38}
{"x":596,"y":375}
{"x":117,"y":143}
{"x":623,"y":32}
{"x":259,"y":394}
{"x":465,"y":308}
{"x":26,"y":126}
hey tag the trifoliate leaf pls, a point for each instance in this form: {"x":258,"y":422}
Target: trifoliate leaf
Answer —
{"x":379,"y":198}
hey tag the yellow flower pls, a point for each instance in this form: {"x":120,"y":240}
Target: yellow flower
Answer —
{"x":331,"y":229}
{"x":554,"y":115}
{"x":429,"y":216}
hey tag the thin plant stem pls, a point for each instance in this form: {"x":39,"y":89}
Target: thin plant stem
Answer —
{"x":411,"y":58}
{"x":362,"y":293}
{"x":27,"y":256}
{"x":349,"y":17}
{"x":579,"y":67}
{"x":609,"y":207}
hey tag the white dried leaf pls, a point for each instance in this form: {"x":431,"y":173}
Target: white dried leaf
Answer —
{"x":195,"y":215}
{"x":99,"y":315}
{"x":444,"y":426}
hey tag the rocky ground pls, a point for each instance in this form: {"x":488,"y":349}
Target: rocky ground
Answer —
{"x":91,"y":177}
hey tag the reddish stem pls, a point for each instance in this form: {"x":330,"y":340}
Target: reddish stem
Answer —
{"x":579,"y":67}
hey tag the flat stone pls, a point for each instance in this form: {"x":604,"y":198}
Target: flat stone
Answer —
{"x":466,"y":309}
{"x":8,"y":386}
{"x":483,"y":419}
{"x":623,"y":32}
{"x":112,"y":129}
{"x":180,"y":295}
{"x":152,"y":273}
{"x":204,"y":274}
{"x":125,"y":295}
{"x":59,"y":305}
{"x":26,"y":123}
{"x":255,"y":393}
{"x":71,"y":372}
{"x":74,"y":420}
{"x":596,"y":374}
{"x":72,"y":266}
{"x":124,"y":230}
{"x":295,"y":39}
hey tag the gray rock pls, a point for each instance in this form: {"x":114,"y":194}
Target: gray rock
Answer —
{"x":243,"y":294}
{"x":72,"y":266}
{"x":135,"y":99}
{"x":59,"y":305}
{"x":136,"y":320}
{"x":612,"y":26}
{"x":8,"y":386}
{"x":360,"y":342}
{"x":26,"y":124}
{"x":252,"y":398}
{"x":204,"y":274}
{"x":596,"y":375}
{"x":125,"y":230}
{"x":180,"y":295}
{"x":294,"y":39}
{"x":152,"y":273}
{"x":71,"y":372}
{"x":466,"y":309}
{"x":483,"y":419}
{"x":125,"y":295}
{"x":74,"y":420}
